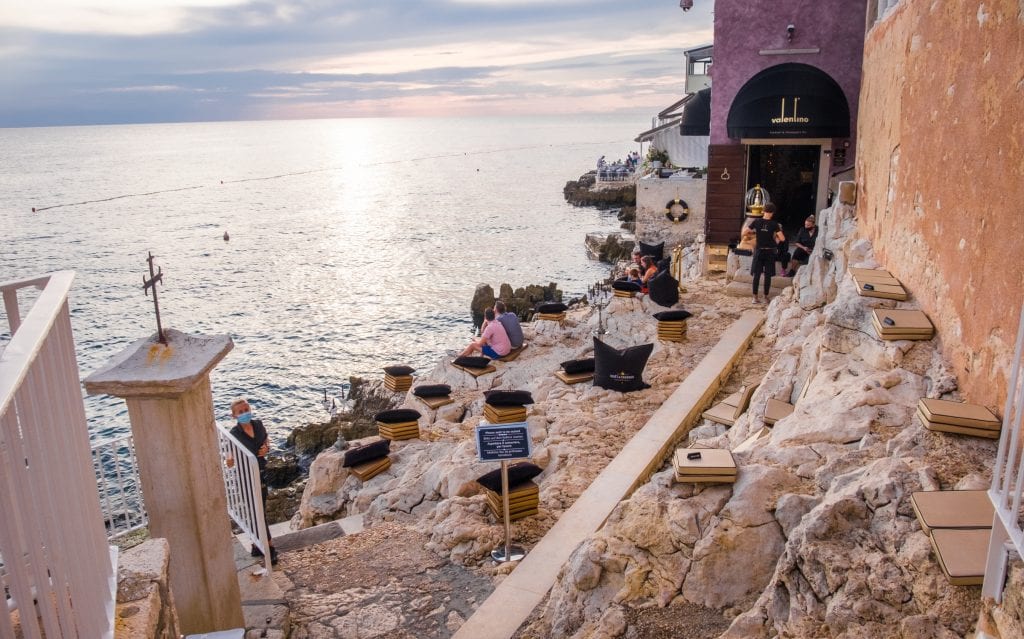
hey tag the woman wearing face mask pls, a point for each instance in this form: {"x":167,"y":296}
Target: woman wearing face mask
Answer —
{"x":251,"y":433}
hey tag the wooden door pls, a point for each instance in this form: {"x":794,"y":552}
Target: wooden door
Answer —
{"x":727,"y":177}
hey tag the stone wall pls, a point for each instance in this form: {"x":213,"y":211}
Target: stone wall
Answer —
{"x":940,"y":176}
{"x":145,"y":605}
{"x":653,"y":227}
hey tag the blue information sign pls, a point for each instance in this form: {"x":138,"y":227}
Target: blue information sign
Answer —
{"x":500,"y":442}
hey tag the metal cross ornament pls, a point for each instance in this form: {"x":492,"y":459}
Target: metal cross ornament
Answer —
{"x":154,"y":278}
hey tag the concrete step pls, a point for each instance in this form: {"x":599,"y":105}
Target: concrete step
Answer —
{"x":742,"y":289}
{"x":778,"y":281}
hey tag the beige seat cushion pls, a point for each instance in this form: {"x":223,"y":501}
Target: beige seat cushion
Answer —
{"x":953,"y":509}
{"x":944,"y":411}
{"x":368,"y":470}
{"x":477,"y":372}
{"x":721,"y":413}
{"x":436,"y":402}
{"x":962,"y":554}
{"x":713,"y":461}
{"x":987,"y":433}
{"x":774,"y":410}
{"x":574,"y":379}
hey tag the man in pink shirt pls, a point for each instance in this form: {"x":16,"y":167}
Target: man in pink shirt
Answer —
{"x":493,"y":342}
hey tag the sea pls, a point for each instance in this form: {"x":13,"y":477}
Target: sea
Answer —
{"x":324,"y":248}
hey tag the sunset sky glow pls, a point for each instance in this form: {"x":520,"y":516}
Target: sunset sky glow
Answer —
{"x":122,"y":61}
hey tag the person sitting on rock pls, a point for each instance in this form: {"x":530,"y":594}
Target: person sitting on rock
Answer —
{"x":650,"y":270}
{"x":805,"y":240}
{"x":511,"y":323}
{"x":493,"y":342}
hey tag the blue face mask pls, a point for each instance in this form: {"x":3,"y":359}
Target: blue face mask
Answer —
{"x":244,"y":418}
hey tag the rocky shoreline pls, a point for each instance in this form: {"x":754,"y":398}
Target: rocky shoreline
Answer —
{"x":817,"y":537}
{"x":287,"y":469}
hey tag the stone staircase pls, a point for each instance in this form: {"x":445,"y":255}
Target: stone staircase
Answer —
{"x":264,"y":607}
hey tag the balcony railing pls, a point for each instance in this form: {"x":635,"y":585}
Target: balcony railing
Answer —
{"x":58,"y":576}
{"x":1008,"y":480}
{"x":117,"y":477}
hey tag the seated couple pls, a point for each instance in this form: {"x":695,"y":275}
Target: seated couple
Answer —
{"x":499,"y":334}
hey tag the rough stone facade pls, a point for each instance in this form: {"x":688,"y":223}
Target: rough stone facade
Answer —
{"x":651,"y":224}
{"x":940,"y":176}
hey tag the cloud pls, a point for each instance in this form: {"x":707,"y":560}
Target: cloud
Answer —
{"x":332,"y":58}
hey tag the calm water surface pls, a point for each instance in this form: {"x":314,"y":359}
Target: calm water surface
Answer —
{"x":353,"y":243}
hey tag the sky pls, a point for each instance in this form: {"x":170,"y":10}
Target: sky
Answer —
{"x":66,"y":62}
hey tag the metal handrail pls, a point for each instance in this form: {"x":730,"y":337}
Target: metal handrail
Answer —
{"x":244,"y":491}
{"x":1007,"y":488}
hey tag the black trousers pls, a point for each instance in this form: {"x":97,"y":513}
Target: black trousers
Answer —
{"x":764,"y":263}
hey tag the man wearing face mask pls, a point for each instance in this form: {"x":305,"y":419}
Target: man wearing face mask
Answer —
{"x":251,"y":433}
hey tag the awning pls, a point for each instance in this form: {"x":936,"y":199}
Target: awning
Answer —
{"x":649,"y":134}
{"x":697,"y":114}
{"x":789,"y":100}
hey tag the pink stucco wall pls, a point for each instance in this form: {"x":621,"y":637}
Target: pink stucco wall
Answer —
{"x":744,"y":27}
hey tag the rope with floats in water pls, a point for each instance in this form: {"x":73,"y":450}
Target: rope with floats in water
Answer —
{"x":40,"y":209}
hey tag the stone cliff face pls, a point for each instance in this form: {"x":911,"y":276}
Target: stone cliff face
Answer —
{"x":817,"y":538}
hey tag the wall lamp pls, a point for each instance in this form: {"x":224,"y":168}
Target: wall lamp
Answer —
{"x":790,"y":30}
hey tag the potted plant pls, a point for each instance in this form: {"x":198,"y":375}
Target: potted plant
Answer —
{"x":657,"y":157}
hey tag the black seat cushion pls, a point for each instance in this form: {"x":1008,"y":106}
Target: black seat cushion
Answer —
{"x":551,"y":307}
{"x":620,"y":370}
{"x":397,"y":416}
{"x":432,"y":390}
{"x":656,"y":251}
{"x":366,"y":452}
{"x":399,"y":370}
{"x":472,"y":362}
{"x":508,"y":397}
{"x":626,"y":285}
{"x":672,"y":316}
{"x":663,"y":289}
{"x":577,"y":366}
{"x":517,"y":474}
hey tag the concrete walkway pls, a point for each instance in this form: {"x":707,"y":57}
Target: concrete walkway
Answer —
{"x":501,"y":614}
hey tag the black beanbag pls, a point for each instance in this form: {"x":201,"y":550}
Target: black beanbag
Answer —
{"x":396,"y":371}
{"x":656,"y":251}
{"x":397,"y":416}
{"x":577,"y":366}
{"x":472,"y":361}
{"x":626,"y":285}
{"x":432,"y":390}
{"x":620,"y":370}
{"x":663,"y":289}
{"x":366,"y":452}
{"x":508,"y":397}
{"x":517,"y":474}
{"x":672,"y":316}
{"x":551,"y":307}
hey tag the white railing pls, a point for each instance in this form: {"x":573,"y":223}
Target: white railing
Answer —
{"x":244,"y":491}
{"x":1008,"y":480}
{"x":615,"y":173}
{"x":58,"y":573}
{"x":117,"y":477}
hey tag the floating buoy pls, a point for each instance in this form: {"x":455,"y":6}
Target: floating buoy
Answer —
{"x":33,"y":209}
{"x":226,"y":236}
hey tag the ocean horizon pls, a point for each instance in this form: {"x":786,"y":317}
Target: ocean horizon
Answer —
{"x":353,"y":244}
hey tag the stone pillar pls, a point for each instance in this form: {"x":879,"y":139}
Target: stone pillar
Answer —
{"x":167,"y":389}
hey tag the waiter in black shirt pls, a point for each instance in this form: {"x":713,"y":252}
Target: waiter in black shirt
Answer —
{"x":251,"y":433}
{"x":767,"y":234}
